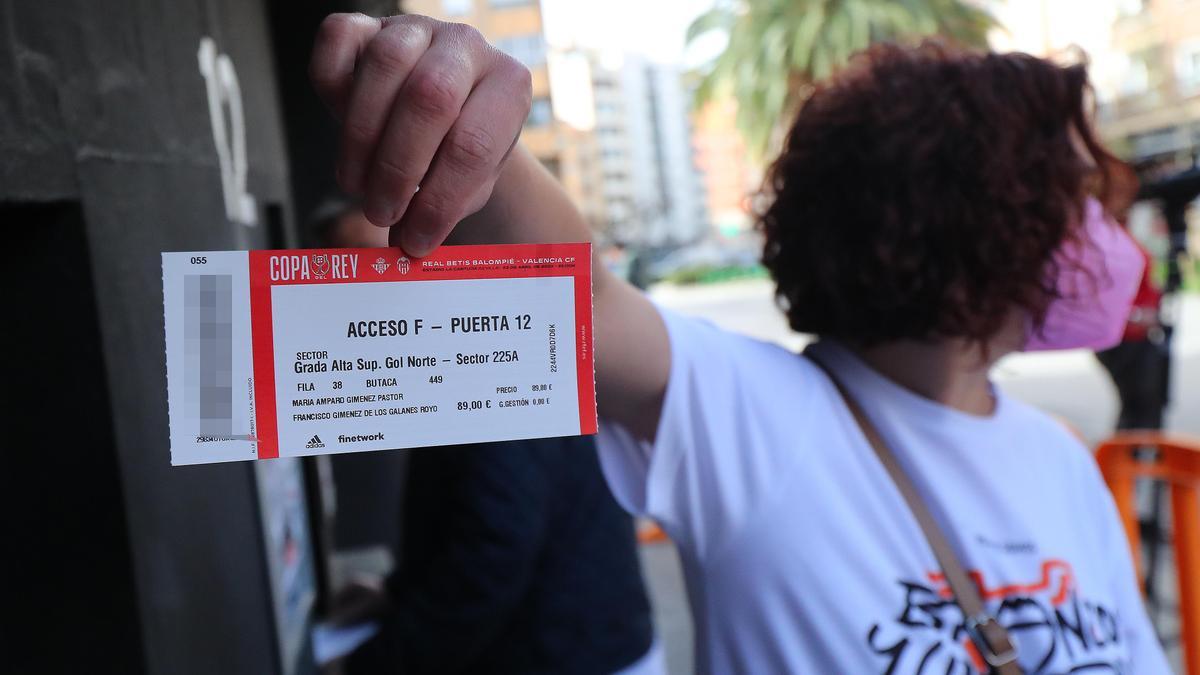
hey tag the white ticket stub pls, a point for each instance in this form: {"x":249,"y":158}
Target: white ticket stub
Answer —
{"x":290,"y":353}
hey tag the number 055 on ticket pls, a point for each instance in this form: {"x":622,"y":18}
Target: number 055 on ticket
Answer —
{"x":289,"y":353}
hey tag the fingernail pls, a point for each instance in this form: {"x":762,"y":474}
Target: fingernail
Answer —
{"x":379,"y":211}
{"x":417,"y":243}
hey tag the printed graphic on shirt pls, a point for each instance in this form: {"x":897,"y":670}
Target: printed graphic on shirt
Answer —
{"x":1056,"y":627}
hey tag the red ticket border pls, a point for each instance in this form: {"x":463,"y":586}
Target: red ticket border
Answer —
{"x":446,"y":263}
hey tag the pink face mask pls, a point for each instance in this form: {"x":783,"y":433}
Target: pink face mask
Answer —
{"x":1097,"y":279}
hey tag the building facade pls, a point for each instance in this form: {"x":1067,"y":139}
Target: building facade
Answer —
{"x":1153,"y":107}
{"x":729,"y":177}
{"x":652,"y":189}
{"x":1143,"y":59}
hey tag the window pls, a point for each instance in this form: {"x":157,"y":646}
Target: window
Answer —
{"x":1137,"y":78}
{"x":541,"y":113}
{"x":509,"y":3}
{"x":1130,"y":7}
{"x":1187,"y":66}
{"x":456,"y":7}
{"x":1145,"y":71}
{"x":528,"y":49}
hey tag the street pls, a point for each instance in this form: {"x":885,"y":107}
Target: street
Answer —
{"x":1070,"y":385}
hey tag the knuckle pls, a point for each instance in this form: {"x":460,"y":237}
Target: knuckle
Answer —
{"x":524,"y":78}
{"x":467,"y":35}
{"x":470,"y":147}
{"x":436,"y":207}
{"x":359,"y":132}
{"x":518,"y":78}
{"x":337,"y":27}
{"x":391,"y":174}
{"x":525,"y":86}
{"x":434,"y":93}
{"x":409,"y":34}
{"x":393,"y":49}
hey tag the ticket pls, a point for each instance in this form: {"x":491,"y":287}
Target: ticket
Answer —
{"x":305,"y":352}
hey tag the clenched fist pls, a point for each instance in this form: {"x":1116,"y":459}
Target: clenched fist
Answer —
{"x":429,"y":113}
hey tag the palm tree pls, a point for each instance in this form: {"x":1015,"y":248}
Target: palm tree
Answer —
{"x":776,"y":49}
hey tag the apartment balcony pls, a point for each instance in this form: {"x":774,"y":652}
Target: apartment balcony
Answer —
{"x":1154,"y":111}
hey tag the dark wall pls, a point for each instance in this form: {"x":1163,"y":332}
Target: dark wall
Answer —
{"x":103,"y":107}
{"x":107,"y":158}
{"x":70,"y":586}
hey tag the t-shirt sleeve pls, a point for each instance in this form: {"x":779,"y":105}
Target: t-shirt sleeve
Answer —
{"x":706,"y":468}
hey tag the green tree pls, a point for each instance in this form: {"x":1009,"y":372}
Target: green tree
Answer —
{"x":776,"y":49}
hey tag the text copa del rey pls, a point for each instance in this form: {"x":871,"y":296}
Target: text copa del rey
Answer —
{"x":299,"y":267}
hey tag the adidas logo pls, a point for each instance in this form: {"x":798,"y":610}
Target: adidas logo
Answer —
{"x":314,"y":442}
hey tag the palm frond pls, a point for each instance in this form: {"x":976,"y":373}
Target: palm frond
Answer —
{"x":777,"y":48}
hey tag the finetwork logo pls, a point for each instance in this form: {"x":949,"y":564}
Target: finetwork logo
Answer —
{"x":315,"y":442}
{"x":360,"y":438}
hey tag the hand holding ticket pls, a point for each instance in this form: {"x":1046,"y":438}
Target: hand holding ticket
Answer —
{"x":423,"y":103}
{"x":290,"y":353}
{"x":429,"y":104}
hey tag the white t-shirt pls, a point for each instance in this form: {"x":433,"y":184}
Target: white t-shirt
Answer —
{"x":802,"y":557}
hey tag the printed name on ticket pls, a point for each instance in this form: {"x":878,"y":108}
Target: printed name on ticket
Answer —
{"x":308,"y":352}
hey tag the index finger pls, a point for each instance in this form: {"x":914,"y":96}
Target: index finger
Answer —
{"x":340,"y":41}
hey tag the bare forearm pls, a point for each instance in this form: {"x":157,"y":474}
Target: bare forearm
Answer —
{"x":529,"y":205}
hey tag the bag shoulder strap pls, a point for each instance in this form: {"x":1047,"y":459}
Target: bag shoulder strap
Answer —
{"x":989,"y":637}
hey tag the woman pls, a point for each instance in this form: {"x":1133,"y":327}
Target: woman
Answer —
{"x":930,"y":213}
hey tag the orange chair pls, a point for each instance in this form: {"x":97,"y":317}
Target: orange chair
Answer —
{"x":648,"y":532}
{"x":1178,"y":465}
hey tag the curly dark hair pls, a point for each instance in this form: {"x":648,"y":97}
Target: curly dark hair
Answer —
{"x":922,"y":191}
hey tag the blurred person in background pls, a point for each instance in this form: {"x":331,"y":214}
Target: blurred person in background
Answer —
{"x":932,"y":210}
{"x":1138,"y":365}
{"x":514,"y":557}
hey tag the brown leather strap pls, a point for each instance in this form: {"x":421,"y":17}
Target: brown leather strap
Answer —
{"x":990,"y":638}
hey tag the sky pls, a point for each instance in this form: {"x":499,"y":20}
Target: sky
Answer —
{"x":1049,"y":26}
{"x":656,"y":28}
{"x":653,"y":28}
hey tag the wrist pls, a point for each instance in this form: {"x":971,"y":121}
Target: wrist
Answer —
{"x":527,"y":205}
{"x":497,"y":221}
